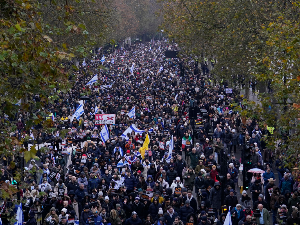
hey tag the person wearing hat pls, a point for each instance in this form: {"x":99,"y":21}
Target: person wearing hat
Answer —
{"x":134,"y":219}
{"x":260,"y":200}
{"x":189,"y":178}
{"x":215,"y":197}
{"x":269,"y":189}
{"x":85,"y":214}
{"x":267,"y":175}
{"x":51,"y":216}
{"x":138,"y":207}
{"x":121,"y":212}
{"x":245,"y":199}
{"x":97,"y":219}
{"x":185,"y":211}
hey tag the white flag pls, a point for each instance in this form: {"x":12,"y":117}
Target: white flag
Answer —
{"x":171,"y":147}
{"x":79,"y":111}
{"x":19,"y":217}
{"x":102,"y":59}
{"x":104,"y":134}
{"x":96,"y":109}
{"x":131,"y":113}
{"x":228,"y":219}
{"x":93,"y":80}
{"x":132,"y":68}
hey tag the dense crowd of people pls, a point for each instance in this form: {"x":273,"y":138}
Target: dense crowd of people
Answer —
{"x":87,"y":180}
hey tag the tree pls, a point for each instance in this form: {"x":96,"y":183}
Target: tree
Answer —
{"x":37,"y":41}
{"x":252,"y":40}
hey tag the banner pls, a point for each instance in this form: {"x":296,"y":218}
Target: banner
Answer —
{"x":102,"y":119}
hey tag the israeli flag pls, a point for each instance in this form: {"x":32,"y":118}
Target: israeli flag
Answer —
{"x":131,"y":113}
{"x":132,"y":68}
{"x":79,"y":111}
{"x":112,"y":61}
{"x":102,"y":59}
{"x":0,"y":221}
{"x":19,"y":217}
{"x":104,"y":134}
{"x":228,"y":219}
{"x":84,"y":63}
{"x":160,"y":69}
{"x":129,"y":130}
{"x":176,"y":97}
{"x":96,"y":109}
{"x":93,"y":80}
{"x":171,"y":147}
{"x":230,"y":111}
{"x":119,"y":150}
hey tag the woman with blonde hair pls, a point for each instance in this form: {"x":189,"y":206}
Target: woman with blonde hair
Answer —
{"x":114,"y":218}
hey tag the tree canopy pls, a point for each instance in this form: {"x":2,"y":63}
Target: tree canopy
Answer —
{"x":256,"y":40}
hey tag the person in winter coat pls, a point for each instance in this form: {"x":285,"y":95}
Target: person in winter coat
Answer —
{"x":171,"y":174}
{"x":185,"y":211}
{"x":129,"y":182}
{"x":222,"y":219}
{"x":94,"y":182}
{"x":154,"y":207}
{"x":240,"y":215}
{"x":214,"y":173}
{"x":170,"y":215}
{"x":180,"y":165}
{"x":150,"y":182}
{"x":138,"y":207}
{"x":245,"y":199}
{"x":256,"y":189}
{"x":193,"y":202}
{"x":286,"y":184}
{"x":152,"y":170}
{"x":31,"y":220}
{"x":176,"y":184}
{"x":215,"y":197}
{"x":189,"y":178}
{"x":194,"y":157}
{"x":134,"y":220}
{"x":230,"y":200}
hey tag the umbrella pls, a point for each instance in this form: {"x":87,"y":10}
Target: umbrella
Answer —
{"x":85,"y":98}
{"x":256,"y":170}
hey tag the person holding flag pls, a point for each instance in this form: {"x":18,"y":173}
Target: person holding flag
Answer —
{"x":131,"y":113}
{"x":104,"y":134}
{"x":143,"y":149}
{"x":186,"y":141}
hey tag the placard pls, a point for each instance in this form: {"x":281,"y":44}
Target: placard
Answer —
{"x":228,"y":90}
{"x":102,"y":119}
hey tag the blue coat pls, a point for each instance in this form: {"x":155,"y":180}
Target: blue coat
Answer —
{"x":129,"y":183}
{"x":93,"y":183}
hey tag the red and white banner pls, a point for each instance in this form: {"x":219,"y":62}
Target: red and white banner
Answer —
{"x":101,"y":119}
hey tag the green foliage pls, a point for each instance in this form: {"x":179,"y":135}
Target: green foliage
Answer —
{"x":256,"y":39}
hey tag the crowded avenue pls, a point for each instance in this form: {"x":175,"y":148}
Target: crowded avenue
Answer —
{"x":149,"y":139}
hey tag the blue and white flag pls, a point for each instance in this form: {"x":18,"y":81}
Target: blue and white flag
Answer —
{"x":160,"y":69}
{"x":96,"y":109}
{"x":102,"y":59}
{"x":112,"y":60}
{"x":19,"y":217}
{"x":79,"y":111}
{"x":120,"y":150}
{"x":84,"y":63}
{"x":0,"y":221}
{"x":171,"y":147}
{"x":228,"y":219}
{"x":132,"y":68}
{"x":104,"y":134}
{"x":93,"y":80}
{"x":129,"y":130}
{"x":131,"y":113}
